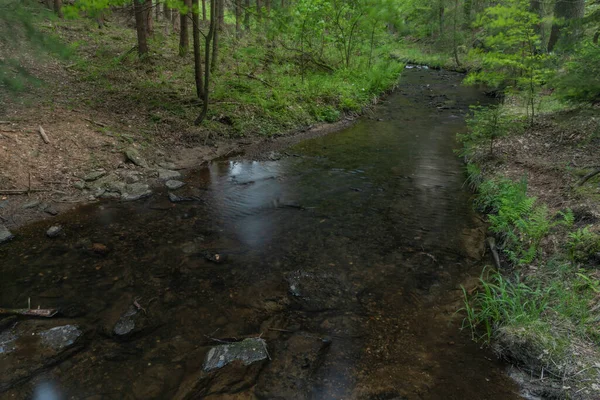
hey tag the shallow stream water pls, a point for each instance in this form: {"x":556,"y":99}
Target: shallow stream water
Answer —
{"x":345,"y":255}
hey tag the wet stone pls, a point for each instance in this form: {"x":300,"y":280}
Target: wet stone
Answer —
{"x":7,"y":342}
{"x":51,"y":210}
{"x":5,"y":234}
{"x":180,"y":199}
{"x":131,"y":322}
{"x":54,"y":231}
{"x":110,"y":195}
{"x":92,"y":176}
{"x":174,"y":184}
{"x":167,"y":174}
{"x":247,"y":351}
{"x":59,"y":337}
{"x":31,"y":204}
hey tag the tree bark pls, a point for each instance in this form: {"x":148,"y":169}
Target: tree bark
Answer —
{"x":207,"y":43}
{"x":157,"y":11}
{"x":258,"y":11}
{"x":203,"y":10}
{"x":148,"y":14}
{"x":238,"y":18}
{"x":221,"y":14}
{"x":184,"y":35}
{"x":197,"y":59}
{"x":570,"y":12}
{"x":58,"y":8}
{"x":215,"y":40}
{"x":176,"y":20}
{"x":140,"y":26}
{"x":247,"y":16}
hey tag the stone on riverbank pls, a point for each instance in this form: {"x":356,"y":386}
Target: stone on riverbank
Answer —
{"x":54,"y":231}
{"x":135,"y":191}
{"x":172,"y":184}
{"x":5,"y":234}
{"x":134,"y":156}
{"x":247,"y":351}
{"x":167,"y":174}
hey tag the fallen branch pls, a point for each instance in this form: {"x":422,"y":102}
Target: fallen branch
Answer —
{"x":492,"y":243}
{"x":43,"y":134}
{"x":256,"y":78}
{"x":589,"y":176}
{"x":39,"y":312}
{"x":95,"y":122}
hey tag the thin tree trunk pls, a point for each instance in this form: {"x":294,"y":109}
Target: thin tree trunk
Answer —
{"x":176,"y":20}
{"x":157,"y":11}
{"x":258,"y":11}
{"x":207,"y":43}
{"x":197,"y":60}
{"x":238,"y":18}
{"x":268,"y":7}
{"x":149,"y":21}
{"x":203,"y":10}
{"x":58,"y":8}
{"x":455,"y":33}
{"x":184,"y":35}
{"x":140,"y":26}
{"x":215,"y":40}
{"x":247,"y":16}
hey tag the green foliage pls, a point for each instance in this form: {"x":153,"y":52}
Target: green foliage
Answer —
{"x":516,"y":217}
{"x":502,"y":302}
{"x":578,"y":80}
{"x":582,"y":244}
{"x":487,"y":124}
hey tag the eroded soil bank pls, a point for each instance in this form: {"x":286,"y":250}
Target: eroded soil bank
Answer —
{"x":345,"y":256}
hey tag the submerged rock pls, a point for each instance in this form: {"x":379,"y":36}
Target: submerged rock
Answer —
{"x":126,"y":324}
{"x":247,"y":351}
{"x":54,"y":231}
{"x":5,"y":234}
{"x":174,"y":184}
{"x":180,"y":199}
{"x":59,"y":337}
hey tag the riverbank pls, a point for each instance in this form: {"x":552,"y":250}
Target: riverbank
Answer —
{"x":541,"y":309}
{"x":104,"y":105}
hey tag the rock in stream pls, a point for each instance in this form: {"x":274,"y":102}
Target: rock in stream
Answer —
{"x":5,"y":234}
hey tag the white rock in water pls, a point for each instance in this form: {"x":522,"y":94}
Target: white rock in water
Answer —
{"x":54,"y":231}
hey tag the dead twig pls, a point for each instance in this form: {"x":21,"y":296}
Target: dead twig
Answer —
{"x":256,"y":78}
{"x":100,"y":124}
{"x":588,"y":177}
{"x":43,"y":134}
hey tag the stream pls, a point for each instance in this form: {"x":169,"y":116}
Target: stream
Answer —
{"x":340,"y":261}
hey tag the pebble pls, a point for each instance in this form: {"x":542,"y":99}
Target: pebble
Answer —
{"x":54,"y":231}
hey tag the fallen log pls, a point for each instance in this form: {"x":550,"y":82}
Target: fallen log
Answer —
{"x":492,"y":244}
{"x":30,"y":312}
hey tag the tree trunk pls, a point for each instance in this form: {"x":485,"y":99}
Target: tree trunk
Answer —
{"x":215,"y":40}
{"x":58,"y":8}
{"x":221,"y":14}
{"x":176,"y":20}
{"x":570,"y":12}
{"x":184,"y":35}
{"x":268,"y":7}
{"x":247,"y":16}
{"x":209,"y":37}
{"x":197,"y":60}
{"x":140,"y":26}
{"x":238,"y":18}
{"x":149,"y":20}
{"x":258,"y":11}
{"x":167,"y":18}
{"x":157,"y":11}
{"x":203,"y":10}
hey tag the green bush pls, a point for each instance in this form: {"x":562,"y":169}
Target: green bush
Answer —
{"x":579,"y":80}
{"x":582,"y":244}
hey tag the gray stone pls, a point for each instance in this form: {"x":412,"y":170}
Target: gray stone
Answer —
{"x":126,"y":324}
{"x":5,"y":234}
{"x":110,"y":195}
{"x":167,"y":165}
{"x":131,"y":176}
{"x":51,"y":210}
{"x":135,"y":191}
{"x":60,"y":337}
{"x":180,"y":199}
{"x":167,"y":174}
{"x":79,"y":185}
{"x":134,"y":156}
{"x":54,"y":231}
{"x":7,"y":342}
{"x":99,"y":191}
{"x":31,"y":204}
{"x":173,"y":184}
{"x":92,"y":176}
{"x":247,"y":351}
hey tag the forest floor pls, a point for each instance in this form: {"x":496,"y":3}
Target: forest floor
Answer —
{"x":557,"y":350}
{"x":105,"y":103}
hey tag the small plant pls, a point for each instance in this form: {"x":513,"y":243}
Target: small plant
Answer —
{"x":582,"y":244}
{"x":500,"y":302}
